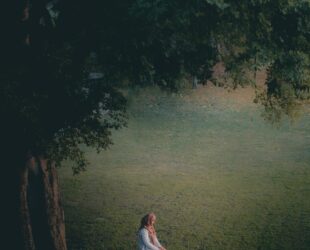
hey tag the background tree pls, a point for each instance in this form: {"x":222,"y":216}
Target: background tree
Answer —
{"x":64,"y":62}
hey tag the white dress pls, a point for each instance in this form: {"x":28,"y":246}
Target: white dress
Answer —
{"x":144,"y":242}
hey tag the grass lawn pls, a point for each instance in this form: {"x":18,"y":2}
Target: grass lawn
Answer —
{"x":215,"y":173}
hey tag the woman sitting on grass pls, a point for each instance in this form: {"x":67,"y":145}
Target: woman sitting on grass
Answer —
{"x":147,"y":239}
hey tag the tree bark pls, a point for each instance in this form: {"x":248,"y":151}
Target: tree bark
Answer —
{"x":41,"y":213}
{"x":55,"y":213}
{"x":26,"y":228}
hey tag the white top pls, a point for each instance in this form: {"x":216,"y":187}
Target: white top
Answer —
{"x":144,"y":242}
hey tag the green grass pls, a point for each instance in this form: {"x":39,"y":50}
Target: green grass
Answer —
{"x":215,"y":173}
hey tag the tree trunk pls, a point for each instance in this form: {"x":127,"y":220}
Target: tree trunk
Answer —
{"x":41,"y":213}
{"x":55,"y":213}
{"x":194,"y":82}
{"x":26,"y":229}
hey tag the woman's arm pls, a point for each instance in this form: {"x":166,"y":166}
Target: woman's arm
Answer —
{"x":146,"y":240}
{"x":158,"y":244}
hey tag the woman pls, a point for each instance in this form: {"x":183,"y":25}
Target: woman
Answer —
{"x":147,"y":239}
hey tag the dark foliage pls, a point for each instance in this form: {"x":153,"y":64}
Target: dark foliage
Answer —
{"x":63,"y":62}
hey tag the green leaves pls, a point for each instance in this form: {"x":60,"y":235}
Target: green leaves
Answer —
{"x":48,"y":99}
{"x":221,"y":4}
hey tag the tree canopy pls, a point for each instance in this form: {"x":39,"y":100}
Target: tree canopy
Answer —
{"x":65,"y":61}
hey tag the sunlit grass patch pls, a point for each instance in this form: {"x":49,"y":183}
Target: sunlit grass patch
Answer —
{"x":217,"y":176}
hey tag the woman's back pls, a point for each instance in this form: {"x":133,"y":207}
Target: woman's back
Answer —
{"x":144,"y":242}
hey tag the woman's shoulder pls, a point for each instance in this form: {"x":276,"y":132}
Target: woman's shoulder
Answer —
{"x":142,"y":230}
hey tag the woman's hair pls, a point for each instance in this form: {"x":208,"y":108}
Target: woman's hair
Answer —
{"x":146,"y":220}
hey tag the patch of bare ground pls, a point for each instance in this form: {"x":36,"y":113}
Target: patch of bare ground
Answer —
{"x":237,"y":98}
